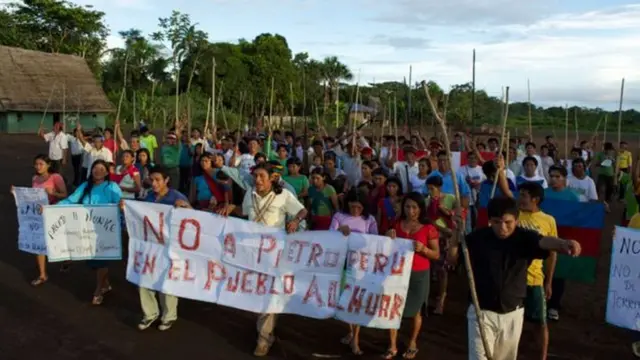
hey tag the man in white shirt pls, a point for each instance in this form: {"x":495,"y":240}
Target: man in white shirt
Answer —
{"x":581,"y":183}
{"x":531,"y":151}
{"x":473,"y":174}
{"x":58,"y":145}
{"x":407,"y":169}
{"x":77,"y":150}
{"x":96,"y":151}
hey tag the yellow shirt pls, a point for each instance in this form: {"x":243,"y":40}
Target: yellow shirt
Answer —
{"x":545,"y":225}
{"x":625,"y":159}
{"x":634,"y":223}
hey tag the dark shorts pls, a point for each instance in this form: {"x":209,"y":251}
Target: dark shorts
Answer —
{"x":418,"y":291}
{"x":535,"y":305}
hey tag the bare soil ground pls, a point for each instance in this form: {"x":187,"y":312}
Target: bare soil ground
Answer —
{"x":56,"y":321}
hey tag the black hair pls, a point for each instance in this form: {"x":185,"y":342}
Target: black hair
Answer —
{"x":89,"y":187}
{"x":435,"y":181}
{"x":110,"y":130}
{"x":561,"y":169}
{"x":47,"y":161}
{"x":576,"y":150}
{"x":130,"y":152}
{"x":159,"y":169}
{"x":275,"y":186}
{"x":530,"y":158}
{"x":135,"y":133}
{"x":146,"y":151}
{"x":489,"y":169}
{"x":258,"y":156}
{"x":294,"y":161}
{"x":281,"y":146}
{"x":379,"y":172}
{"x":548,"y":137}
{"x":535,"y":190}
{"x":317,"y":143}
{"x":419,"y":199}
{"x":532,"y":144}
{"x":608,"y":146}
{"x":368,"y":164}
{"x":356,"y":196}
{"x":441,"y":153}
{"x":500,"y":206}
{"x":492,"y":139}
{"x":396,"y":181}
{"x":320,"y":171}
{"x":578,"y":160}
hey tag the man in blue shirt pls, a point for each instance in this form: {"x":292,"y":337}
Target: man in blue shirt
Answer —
{"x":161,"y":194}
{"x":558,"y":189}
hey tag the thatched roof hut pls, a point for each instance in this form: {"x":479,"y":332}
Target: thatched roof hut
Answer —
{"x":27,"y":78}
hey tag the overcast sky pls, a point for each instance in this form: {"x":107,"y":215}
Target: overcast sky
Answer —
{"x":574,"y":51}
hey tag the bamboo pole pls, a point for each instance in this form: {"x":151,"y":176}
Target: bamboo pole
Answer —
{"x":395,"y":123}
{"x":64,"y":107}
{"x":409,"y":100}
{"x":529,"y":115}
{"x":337,"y":104}
{"x":575,"y":122}
{"x":175,"y":61}
{"x":505,"y":116}
{"x":213,"y":94}
{"x":46,"y":108}
{"x":135,"y":117}
{"x":206,"y":121}
{"x":271,"y":94}
{"x":615,"y":179}
{"x":473,"y":91}
{"x":606,"y":119}
{"x":566,"y":133}
{"x":291,"y":122}
{"x":465,"y":250}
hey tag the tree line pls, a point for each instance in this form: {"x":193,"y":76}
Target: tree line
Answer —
{"x":252,"y":77}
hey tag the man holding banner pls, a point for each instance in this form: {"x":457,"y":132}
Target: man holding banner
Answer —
{"x":267,"y":203}
{"x":161,"y":194}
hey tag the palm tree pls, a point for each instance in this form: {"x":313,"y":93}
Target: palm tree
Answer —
{"x":333,"y":71}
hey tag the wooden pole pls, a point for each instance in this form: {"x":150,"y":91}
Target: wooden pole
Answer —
{"x":409,"y":100}
{"x":566,"y":133}
{"x":337,"y":104}
{"x":529,"y":115}
{"x":271,"y":94}
{"x":575,"y":123}
{"x":615,"y":179}
{"x":504,"y":135}
{"x":465,"y":250}
{"x":473,"y":91}
{"x":46,"y":108}
{"x":395,"y":122}
{"x":213,"y":95}
{"x":291,"y":122}
{"x":206,"y":121}
{"x":175,"y":61}
{"x":64,"y":107}
{"x":606,"y":119}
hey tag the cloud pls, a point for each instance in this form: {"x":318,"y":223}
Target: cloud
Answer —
{"x":401,"y":42}
{"x":456,"y":12}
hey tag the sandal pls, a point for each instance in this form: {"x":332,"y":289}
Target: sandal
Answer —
{"x":65,"y":267}
{"x":39,"y":281}
{"x":356,"y":350}
{"x":106,"y":289}
{"x":410,"y":353}
{"x":347,"y":340}
{"x":390,"y":354}
{"x":97,"y":300}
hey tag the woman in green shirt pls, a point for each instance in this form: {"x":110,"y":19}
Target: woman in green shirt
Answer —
{"x":323,"y":200}
{"x":299,"y":182}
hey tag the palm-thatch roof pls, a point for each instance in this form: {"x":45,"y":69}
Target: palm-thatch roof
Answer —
{"x":27,"y":78}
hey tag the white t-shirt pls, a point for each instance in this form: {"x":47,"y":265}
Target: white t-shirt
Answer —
{"x":402,"y":169}
{"x":535,"y":178}
{"x":475,"y":174}
{"x":418,"y":184}
{"x":75,"y":145}
{"x":586,"y":188}
{"x":276,"y":213}
{"x":58,"y":143}
{"x":94,"y":154}
{"x":539,"y":169}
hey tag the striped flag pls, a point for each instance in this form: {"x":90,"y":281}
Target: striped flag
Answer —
{"x":580,"y":221}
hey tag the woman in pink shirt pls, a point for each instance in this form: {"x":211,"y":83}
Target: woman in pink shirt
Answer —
{"x":55,"y":187}
{"x":354,"y":217}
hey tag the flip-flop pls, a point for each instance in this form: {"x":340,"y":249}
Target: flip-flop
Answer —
{"x":356,"y":350}
{"x":346,"y":340}
{"x":97,"y":300}
{"x":410,"y":353}
{"x":39,"y":281}
{"x":390,"y":354}
{"x":106,"y":289}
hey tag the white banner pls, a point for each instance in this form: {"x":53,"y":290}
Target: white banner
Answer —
{"x":29,"y":202}
{"x":623,"y":299}
{"x":82,"y":232}
{"x":241,"y":264}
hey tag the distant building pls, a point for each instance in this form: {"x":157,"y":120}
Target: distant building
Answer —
{"x":26,"y":81}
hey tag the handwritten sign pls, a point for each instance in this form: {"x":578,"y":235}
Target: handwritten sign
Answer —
{"x":241,"y":264}
{"x":623,"y":300}
{"x":29,"y":202}
{"x":82,"y":232}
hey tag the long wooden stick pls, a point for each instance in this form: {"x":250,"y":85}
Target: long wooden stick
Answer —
{"x":46,"y":108}
{"x":395,"y":122}
{"x":206,"y":121}
{"x":465,"y":250}
{"x":615,"y":179}
{"x":291,"y":122}
{"x":575,"y":123}
{"x":566,"y":133}
{"x":271,"y":94}
{"x":213,"y":94}
{"x":64,"y":107}
{"x":505,"y":115}
{"x":529,"y":115}
{"x":606,"y":119}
